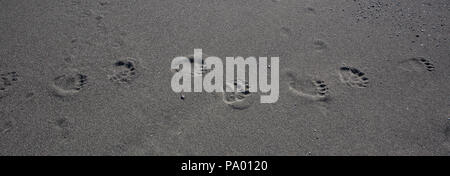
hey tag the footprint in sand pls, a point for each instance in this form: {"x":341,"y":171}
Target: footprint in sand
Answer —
{"x":320,"y":45}
{"x":310,"y":88}
{"x":240,"y":99}
{"x":199,"y":67}
{"x":123,"y":70}
{"x":6,"y":123}
{"x":7,"y":80}
{"x":353,"y":77}
{"x":69,"y":83}
{"x":417,"y":64}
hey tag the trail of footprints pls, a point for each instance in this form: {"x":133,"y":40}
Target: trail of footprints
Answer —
{"x":122,"y":71}
{"x":317,"y":90}
{"x":311,"y":88}
{"x":239,"y":99}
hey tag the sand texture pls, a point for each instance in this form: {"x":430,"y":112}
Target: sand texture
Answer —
{"x":93,"y":77}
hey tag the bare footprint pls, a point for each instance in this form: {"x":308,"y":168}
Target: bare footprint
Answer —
{"x":310,"y":88}
{"x":123,"y":70}
{"x":69,"y":83}
{"x":353,"y":77}
{"x":240,"y":99}
{"x":417,"y":64}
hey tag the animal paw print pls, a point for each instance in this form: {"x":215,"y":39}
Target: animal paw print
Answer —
{"x":7,"y":80}
{"x":69,"y":84}
{"x":124,"y":71}
{"x":353,"y":77}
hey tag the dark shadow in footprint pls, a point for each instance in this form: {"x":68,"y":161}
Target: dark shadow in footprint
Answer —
{"x":69,"y":84}
{"x":7,"y":80}
{"x":417,"y":64}
{"x":310,"y":88}
{"x":353,"y":77}
{"x":124,"y":70}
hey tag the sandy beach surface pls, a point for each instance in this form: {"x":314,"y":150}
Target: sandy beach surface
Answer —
{"x":93,"y":77}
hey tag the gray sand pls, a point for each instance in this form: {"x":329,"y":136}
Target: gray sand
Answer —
{"x":384,"y":64}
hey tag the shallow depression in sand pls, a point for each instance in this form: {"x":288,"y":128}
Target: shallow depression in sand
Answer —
{"x":240,"y":98}
{"x":417,"y":64}
{"x":353,"y":77}
{"x":69,"y":83}
{"x":308,"y":87}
